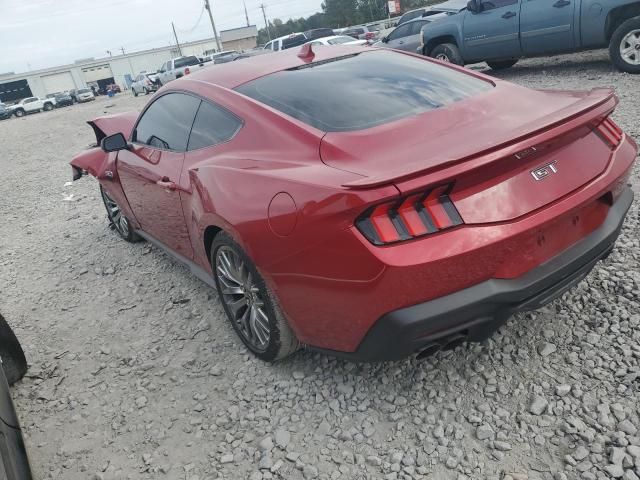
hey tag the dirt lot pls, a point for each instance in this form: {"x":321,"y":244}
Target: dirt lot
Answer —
{"x":134,"y":372}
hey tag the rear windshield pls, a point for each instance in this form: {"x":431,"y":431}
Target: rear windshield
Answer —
{"x":362,"y":91}
{"x":186,"y":62}
{"x":293,"y":41}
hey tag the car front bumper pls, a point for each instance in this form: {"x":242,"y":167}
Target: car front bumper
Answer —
{"x":476,"y":312}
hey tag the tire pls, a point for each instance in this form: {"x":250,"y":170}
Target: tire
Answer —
{"x":19,"y":113}
{"x":502,"y":64}
{"x":47,"y":107}
{"x":234,"y":271}
{"x":117,"y":221}
{"x":144,"y":89}
{"x":135,"y":94}
{"x":447,"y":52}
{"x":626,"y":38}
{"x":14,"y":362}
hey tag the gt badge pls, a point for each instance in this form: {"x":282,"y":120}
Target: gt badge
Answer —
{"x":544,"y":171}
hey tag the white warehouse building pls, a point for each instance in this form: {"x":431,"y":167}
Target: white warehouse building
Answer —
{"x":118,"y":69}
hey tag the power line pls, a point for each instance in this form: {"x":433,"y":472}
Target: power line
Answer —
{"x":197,"y":23}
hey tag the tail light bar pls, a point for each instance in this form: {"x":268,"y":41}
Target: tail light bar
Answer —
{"x":609,"y":132}
{"x":410,"y":217}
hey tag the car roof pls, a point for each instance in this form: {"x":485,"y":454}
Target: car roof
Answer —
{"x":287,"y":36}
{"x":233,"y":74}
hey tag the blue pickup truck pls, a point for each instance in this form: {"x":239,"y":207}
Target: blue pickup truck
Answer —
{"x":502,"y":31}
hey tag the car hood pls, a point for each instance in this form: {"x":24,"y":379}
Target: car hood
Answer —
{"x":454,"y":133}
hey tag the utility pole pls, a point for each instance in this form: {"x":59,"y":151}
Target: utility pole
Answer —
{"x":177,"y":42}
{"x":213,"y":25}
{"x":246,"y":14}
{"x":266,"y":24}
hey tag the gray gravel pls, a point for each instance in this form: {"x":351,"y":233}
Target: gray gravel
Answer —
{"x":134,"y":372}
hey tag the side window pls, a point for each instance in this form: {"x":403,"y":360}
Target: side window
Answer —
{"x":269,"y":46}
{"x":213,"y":125}
{"x":276,"y":45}
{"x":492,"y":4}
{"x":166,"y":123}
{"x":402,"y":31}
{"x":416,"y":27}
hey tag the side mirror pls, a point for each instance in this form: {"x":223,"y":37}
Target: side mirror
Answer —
{"x":473,"y":6}
{"x":114,"y":143}
{"x":384,"y":39}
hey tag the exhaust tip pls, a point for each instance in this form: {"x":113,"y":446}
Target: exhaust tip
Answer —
{"x":429,"y":350}
{"x":454,"y":341}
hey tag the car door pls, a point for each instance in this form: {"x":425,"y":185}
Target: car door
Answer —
{"x":397,"y":38}
{"x":150,"y":172}
{"x":547,"y":26}
{"x":412,"y":42}
{"x":493,"y":32}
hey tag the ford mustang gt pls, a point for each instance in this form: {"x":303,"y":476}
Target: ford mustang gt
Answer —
{"x":367,"y":203}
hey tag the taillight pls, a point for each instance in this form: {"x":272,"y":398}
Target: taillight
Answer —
{"x":410,"y":217}
{"x":609,"y":132}
{"x":187,"y":71}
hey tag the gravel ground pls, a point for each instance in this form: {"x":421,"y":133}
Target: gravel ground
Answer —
{"x":134,"y":372}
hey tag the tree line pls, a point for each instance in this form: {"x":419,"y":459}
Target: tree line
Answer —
{"x":337,"y":14}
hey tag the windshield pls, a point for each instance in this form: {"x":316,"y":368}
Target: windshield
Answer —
{"x":340,"y":40}
{"x":375,"y":88}
{"x":293,"y":41}
{"x":186,"y":62}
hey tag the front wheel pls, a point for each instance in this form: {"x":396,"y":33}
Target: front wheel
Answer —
{"x":19,"y":113}
{"x":47,"y":107}
{"x":250,"y":306}
{"x":447,"y":52}
{"x":135,"y":94}
{"x":117,"y":220}
{"x":502,"y":64}
{"x":624,"y":47}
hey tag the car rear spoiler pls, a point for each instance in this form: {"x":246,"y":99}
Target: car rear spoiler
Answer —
{"x":592,"y":108}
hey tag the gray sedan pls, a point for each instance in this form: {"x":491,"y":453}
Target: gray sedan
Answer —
{"x":407,"y":36}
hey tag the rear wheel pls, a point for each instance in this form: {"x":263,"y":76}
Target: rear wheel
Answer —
{"x":250,"y":306}
{"x":502,"y":64}
{"x":47,"y":107}
{"x":624,"y":48}
{"x":117,"y":220}
{"x":447,"y":52}
{"x":14,"y":363}
{"x":19,"y":113}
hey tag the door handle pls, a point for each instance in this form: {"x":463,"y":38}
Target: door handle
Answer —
{"x":561,"y":3}
{"x":166,"y":184}
{"x":509,"y":15}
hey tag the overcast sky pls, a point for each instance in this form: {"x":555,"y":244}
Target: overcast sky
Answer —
{"x":44,"y":33}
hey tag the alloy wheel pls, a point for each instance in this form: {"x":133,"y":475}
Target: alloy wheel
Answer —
{"x":119,"y":221}
{"x":243,"y":297}
{"x":630,"y":47}
{"x":443,"y":57}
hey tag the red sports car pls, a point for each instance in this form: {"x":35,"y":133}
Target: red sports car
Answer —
{"x":368,"y":203}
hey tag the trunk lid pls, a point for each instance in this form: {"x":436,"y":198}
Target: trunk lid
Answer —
{"x":489,"y":146}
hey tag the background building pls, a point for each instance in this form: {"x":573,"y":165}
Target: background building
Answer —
{"x":118,"y":69}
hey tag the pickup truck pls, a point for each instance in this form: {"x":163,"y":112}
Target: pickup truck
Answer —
{"x":178,"y":67}
{"x":502,"y":31}
{"x":32,"y":105}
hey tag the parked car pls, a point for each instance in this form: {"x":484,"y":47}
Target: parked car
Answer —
{"x":361,"y":33}
{"x":63,"y":100}
{"x":84,"y":95}
{"x":74,"y":95}
{"x":32,"y":105}
{"x":212,"y":57}
{"x":318,"y":33}
{"x":5,"y":112}
{"x":408,"y":36}
{"x":338,"y":40}
{"x":502,"y":32}
{"x":14,"y":462}
{"x":178,"y":68}
{"x":145,"y":82}
{"x":327,"y":217}
{"x":286,"y":41}
{"x":251,"y":53}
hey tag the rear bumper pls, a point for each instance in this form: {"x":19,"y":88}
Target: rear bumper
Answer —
{"x":477,"y":311}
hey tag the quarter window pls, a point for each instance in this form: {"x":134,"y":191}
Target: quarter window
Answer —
{"x":167,"y":122}
{"x":213,"y":125}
